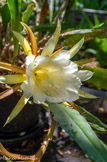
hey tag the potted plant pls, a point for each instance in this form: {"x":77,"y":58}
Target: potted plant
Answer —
{"x":54,"y":81}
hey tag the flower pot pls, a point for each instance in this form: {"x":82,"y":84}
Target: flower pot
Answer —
{"x":28,"y":123}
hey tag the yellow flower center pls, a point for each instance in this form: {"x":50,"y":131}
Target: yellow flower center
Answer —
{"x":47,"y":80}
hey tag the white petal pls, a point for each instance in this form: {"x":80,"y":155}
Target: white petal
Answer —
{"x":69,"y":96}
{"x":30,"y":59}
{"x":84,"y":74}
{"x":40,"y":59}
{"x":73,"y":96}
{"x":71,"y":68}
{"x":37,"y":94}
{"x":72,"y":83}
{"x":61,"y":63}
{"x":26,"y":90}
{"x":53,"y":99}
{"x":64,"y":54}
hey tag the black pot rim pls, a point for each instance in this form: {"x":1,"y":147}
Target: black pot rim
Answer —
{"x":8,"y":138}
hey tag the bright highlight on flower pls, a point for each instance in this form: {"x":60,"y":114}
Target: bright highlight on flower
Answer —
{"x":49,"y":77}
{"x":53,"y":79}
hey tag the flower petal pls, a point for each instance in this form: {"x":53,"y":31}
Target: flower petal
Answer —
{"x":32,"y":38}
{"x":73,"y":96}
{"x":84,"y":74}
{"x":71,"y":68}
{"x":30,"y":59}
{"x":11,"y":67}
{"x":50,"y":45}
{"x":37,"y":94}
{"x":9,"y":91}
{"x":12,"y":79}
{"x":21,"y":103}
{"x":72,"y":83}
{"x":23,"y":42}
{"x":26,"y":90}
{"x":64,"y":54}
{"x":66,"y":95}
{"x":76,"y":47}
{"x":54,"y":99}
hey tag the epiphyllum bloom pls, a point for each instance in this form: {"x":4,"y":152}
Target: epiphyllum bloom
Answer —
{"x":53,"y":79}
{"x":50,"y":77}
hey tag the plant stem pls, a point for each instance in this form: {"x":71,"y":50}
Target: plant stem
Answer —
{"x":45,"y":143}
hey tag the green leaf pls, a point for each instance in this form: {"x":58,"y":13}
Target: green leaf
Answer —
{"x":5,"y":13}
{"x":88,"y":34}
{"x":15,"y":12}
{"x":57,"y":32}
{"x":87,"y":20}
{"x":103,"y":25}
{"x":80,"y":130}
{"x":23,"y":42}
{"x":19,"y":106}
{"x":76,"y":47}
{"x":91,"y":118}
{"x":96,"y":21}
{"x":98,"y":129}
{"x":7,"y":159}
{"x":12,"y":79}
{"x":27,"y":13}
{"x":86,"y":95}
{"x":82,"y":62}
{"x":99,"y":77}
{"x":51,"y":27}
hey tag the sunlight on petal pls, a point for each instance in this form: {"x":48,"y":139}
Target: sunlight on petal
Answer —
{"x":76,"y":47}
{"x":50,"y":45}
{"x":9,"y":91}
{"x":21,"y":103}
{"x":32,"y":38}
{"x":23,"y":42}
{"x":12,"y":79}
{"x":11,"y":67}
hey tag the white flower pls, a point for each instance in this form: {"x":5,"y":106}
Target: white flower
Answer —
{"x":53,"y":79}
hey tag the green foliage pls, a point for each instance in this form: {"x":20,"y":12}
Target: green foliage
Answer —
{"x":80,"y":130}
{"x":15,"y":12}
{"x":92,"y":5}
{"x":99,"y":44}
{"x":27,"y":13}
{"x":97,"y":124}
{"x":14,"y":8}
{"x":99,"y":77}
{"x":86,"y":95}
{"x":5,"y":17}
{"x":88,"y":34}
